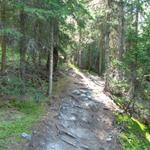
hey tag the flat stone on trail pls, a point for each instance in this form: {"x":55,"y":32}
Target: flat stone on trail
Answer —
{"x":89,"y":97}
{"x":83,"y":91}
{"x":77,"y":92}
{"x":69,"y":140}
{"x":83,"y":95}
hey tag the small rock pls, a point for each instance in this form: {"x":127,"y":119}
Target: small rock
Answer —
{"x":86,"y":99}
{"x":90,"y":97}
{"x":83,"y":91}
{"x":77,"y":92}
{"x":85,"y":147}
{"x":109,"y":139}
{"x":83,"y":95}
{"x":120,"y":111}
{"x":34,"y":132}
{"x":26,"y":136}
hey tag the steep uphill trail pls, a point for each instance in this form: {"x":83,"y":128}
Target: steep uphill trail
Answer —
{"x":80,"y":118}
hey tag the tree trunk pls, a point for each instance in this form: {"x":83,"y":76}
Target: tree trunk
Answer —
{"x":50,"y":85}
{"x":107,"y":46}
{"x":134,"y":82}
{"x":55,"y":59}
{"x":120,"y":37}
{"x":3,"y":46}
{"x":3,"y":40}
{"x":22,"y":42}
{"x":79,"y":49}
{"x":121,"y":29}
{"x":102,"y":54}
{"x":55,"y":53}
{"x":89,"y":59}
{"x":107,"y":59}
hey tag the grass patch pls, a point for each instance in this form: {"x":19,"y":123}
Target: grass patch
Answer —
{"x":19,"y":117}
{"x":135,"y":135}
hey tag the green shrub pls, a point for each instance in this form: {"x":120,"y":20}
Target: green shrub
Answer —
{"x":134,"y":134}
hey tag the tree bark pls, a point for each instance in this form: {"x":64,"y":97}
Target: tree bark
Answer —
{"x":22,"y":42}
{"x":121,"y":29}
{"x":3,"y":39}
{"x":89,"y":59}
{"x":102,"y":53}
{"x":79,"y":49}
{"x":120,"y":37}
{"x":50,"y":85}
{"x":3,"y":46}
{"x":107,"y":46}
{"x":55,"y":58}
{"x":134,"y":82}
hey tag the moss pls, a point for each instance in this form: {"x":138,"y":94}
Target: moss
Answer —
{"x":135,"y":135}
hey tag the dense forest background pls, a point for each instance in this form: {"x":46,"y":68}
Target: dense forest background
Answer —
{"x":109,"y":37}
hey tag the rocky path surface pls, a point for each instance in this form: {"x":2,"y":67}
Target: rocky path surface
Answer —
{"x":83,"y":120}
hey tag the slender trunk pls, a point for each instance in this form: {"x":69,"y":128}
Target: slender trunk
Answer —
{"x":39,"y":58}
{"x":3,"y":40}
{"x":55,"y":57}
{"x":50,"y":85}
{"x":102,"y":54}
{"x":121,"y":37}
{"x":134,"y":82}
{"x":79,"y":50}
{"x":107,"y":59}
{"x":89,"y":59}
{"x":100,"y":59}
{"x":3,"y":46}
{"x":121,"y":29}
{"x":56,"y":44}
{"x":107,"y":46}
{"x":22,"y":43}
{"x":39,"y":44}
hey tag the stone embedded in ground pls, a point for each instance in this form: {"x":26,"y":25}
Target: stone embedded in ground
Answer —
{"x":83,"y":91}
{"x":86,"y":98}
{"x":89,"y":95}
{"x":109,"y":139}
{"x":69,"y":139}
{"x":26,"y":136}
{"x":77,"y":92}
{"x":83,"y":95}
{"x":85,"y":147}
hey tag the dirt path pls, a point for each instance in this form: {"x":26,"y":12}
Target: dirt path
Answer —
{"x":81,"y":118}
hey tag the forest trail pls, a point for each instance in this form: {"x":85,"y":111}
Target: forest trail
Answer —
{"x":81,"y":118}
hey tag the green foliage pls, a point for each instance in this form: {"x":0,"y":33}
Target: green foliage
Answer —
{"x":134,"y":135}
{"x":118,"y":87}
{"x":146,"y":92}
{"x":13,"y":86}
{"x":10,"y":32}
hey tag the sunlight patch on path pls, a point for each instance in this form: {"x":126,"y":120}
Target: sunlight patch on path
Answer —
{"x":96,"y":84}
